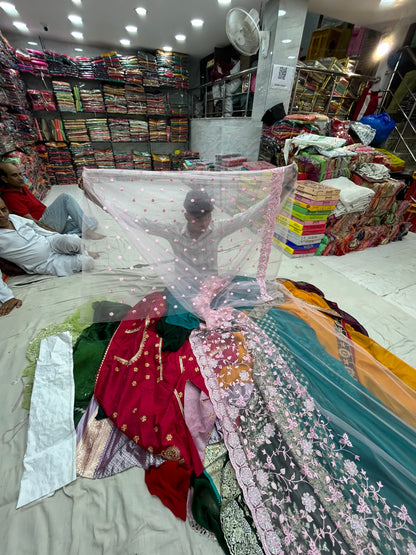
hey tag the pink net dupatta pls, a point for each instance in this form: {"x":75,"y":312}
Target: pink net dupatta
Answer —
{"x":179,"y":231}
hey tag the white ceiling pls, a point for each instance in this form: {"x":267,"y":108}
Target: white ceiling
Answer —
{"x":105,"y":20}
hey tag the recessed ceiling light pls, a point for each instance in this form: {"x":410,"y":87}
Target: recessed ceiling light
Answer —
{"x":21,"y":26}
{"x":280,"y":13}
{"x":32,"y":43}
{"x":291,"y":57}
{"x":79,"y":49}
{"x":180,"y":38}
{"x":224,"y":2}
{"x":131,"y":28}
{"x":77,"y":2}
{"x":197,"y":22}
{"x":77,"y":35}
{"x":75,"y":19}
{"x":9,"y":8}
{"x":167,"y":48}
{"x":286,"y":41}
{"x":141,"y":11}
{"x":125,"y":42}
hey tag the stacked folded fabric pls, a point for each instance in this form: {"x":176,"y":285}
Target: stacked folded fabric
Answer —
{"x":156,"y":104}
{"x":83,"y":156}
{"x":131,"y":70}
{"x":139,"y":130}
{"x":305,"y":216}
{"x":165,"y":68}
{"x":123,"y":160}
{"x":98,"y":129}
{"x":135,"y":99}
{"x":158,"y":130}
{"x":61,"y":65}
{"x":352,"y":198}
{"x":161,"y":162}
{"x":92,"y":100}
{"x":59,"y":167}
{"x":119,"y":130}
{"x":64,"y":96}
{"x":85,"y":67}
{"x":33,"y":62}
{"x":148,"y":67}
{"x":142,"y":160}
{"x":115,"y":99}
{"x":76,"y":130}
{"x":179,"y":130}
{"x":104,"y":158}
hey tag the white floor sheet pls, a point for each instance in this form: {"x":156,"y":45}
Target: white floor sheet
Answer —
{"x":117,"y":515}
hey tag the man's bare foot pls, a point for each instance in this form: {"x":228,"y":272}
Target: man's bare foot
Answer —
{"x":94,"y":254}
{"x":89,"y":234}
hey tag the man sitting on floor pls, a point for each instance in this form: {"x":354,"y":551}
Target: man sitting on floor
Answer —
{"x":8,"y":300}
{"x":39,"y":251}
{"x":64,"y":215}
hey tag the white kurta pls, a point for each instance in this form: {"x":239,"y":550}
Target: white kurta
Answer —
{"x":5,"y":292}
{"x":39,"y":251}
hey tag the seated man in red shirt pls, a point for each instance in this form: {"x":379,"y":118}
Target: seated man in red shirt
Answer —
{"x":64,"y":215}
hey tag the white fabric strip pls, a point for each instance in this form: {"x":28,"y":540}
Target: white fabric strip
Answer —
{"x":49,"y":462}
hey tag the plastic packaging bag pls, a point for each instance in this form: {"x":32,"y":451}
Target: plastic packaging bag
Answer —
{"x":382,"y":123}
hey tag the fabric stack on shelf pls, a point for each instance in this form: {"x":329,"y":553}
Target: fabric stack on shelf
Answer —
{"x":98,"y":129}
{"x":158,"y":130}
{"x":161,"y":162}
{"x":64,"y":96}
{"x":76,"y":131}
{"x":85,"y":67}
{"x":114,"y":66}
{"x":32,"y":165}
{"x":142,"y":160}
{"x":100,"y":69}
{"x":229,"y":162}
{"x":132,"y":72}
{"x":257,"y":166}
{"x":115,"y":99}
{"x":59,"y":167}
{"x":83,"y":156}
{"x":33,"y":62}
{"x":180,"y":158}
{"x":92,"y":100}
{"x":156,"y":104}
{"x":104,"y":158}
{"x":139,"y":130}
{"x":148,"y":67}
{"x":135,"y":99}
{"x":119,"y":130}
{"x":165,"y":65}
{"x":123,"y":160}
{"x":61,"y":65}
{"x":179,"y":130}
{"x":42,"y":100}
{"x":305,"y":216}
{"x":180,"y":69}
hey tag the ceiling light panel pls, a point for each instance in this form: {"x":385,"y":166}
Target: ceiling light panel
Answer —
{"x":77,"y":35}
{"x":131,"y":28}
{"x":167,"y":48}
{"x":180,"y":38}
{"x":125,"y":42}
{"x":77,"y":2}
{"x":224,"y":2}
{"x":79,"y":49}
{"x":141,"y":11}
{"x":197,"y":22}
{"x":32,"y":43}
{"x":21,"y":26}
{"x":9,"y":8}
{"x":75,"y":19}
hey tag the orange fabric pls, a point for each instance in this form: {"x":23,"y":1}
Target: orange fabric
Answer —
{"x":377,"y":378}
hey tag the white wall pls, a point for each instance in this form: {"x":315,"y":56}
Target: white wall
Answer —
{"x":213,"y":136}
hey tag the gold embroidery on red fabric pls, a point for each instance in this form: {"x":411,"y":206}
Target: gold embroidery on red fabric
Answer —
{"x":136,"y":439}
{"x":160,"y":360}
{"x":172,"y":453}
{"x":169,"y":437}
{"x":134,"y":410}
{"x":150,"y":449}
{"x":123,"y":427}
{"x":132,"y":331}
{"x":147,"y":377}
{"x":143,"y":418}
{"x":114,"y":415}
{"x":134,"y":383}
{"x":140,"y":351}
{"x":181,"y":364}
{"x":179,"y":402}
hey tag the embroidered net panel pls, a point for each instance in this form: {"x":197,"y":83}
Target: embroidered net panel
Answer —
{"x":165,"y":245}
